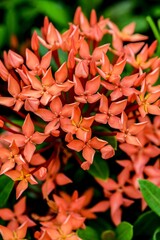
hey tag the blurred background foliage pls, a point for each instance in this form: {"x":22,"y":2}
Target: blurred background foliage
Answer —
{"x":18,"y":18}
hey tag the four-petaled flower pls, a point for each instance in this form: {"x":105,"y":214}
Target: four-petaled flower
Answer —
{"x":28,"y":139}
{"x":129,"y":131}
{"x":18,"y":234}
{"x":24,"y":177}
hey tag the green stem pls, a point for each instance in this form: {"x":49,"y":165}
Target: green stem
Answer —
{"x":158,"y":23}
{"x":153,"y":27}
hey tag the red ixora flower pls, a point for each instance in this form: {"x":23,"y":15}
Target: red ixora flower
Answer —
{"x":28,"y":139}
{"x":128,"y":131}
{"x":17,"y":234}
{"x":71,"y":100}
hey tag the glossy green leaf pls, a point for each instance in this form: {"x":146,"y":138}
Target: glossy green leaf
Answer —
{"x":156,"y":235}
{"x":124,"y":231}
{"x":6,"y":186}
{"x":99,"y":168}
{"x":88,"y":233}
{"x":54,"y":10}
{"x":151,"y":194}
{"x":146,"y":224}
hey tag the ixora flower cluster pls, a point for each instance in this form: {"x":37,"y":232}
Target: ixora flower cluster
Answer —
{"x":91,"y":96}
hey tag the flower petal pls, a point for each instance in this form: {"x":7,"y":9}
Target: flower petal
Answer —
{"x":22,"y":230}
{"x":32,"y":60}
{"x":76,"y":145}
{"x":93,"y":85}
{"x":61,"y":74}
{"x":62,"y":179}
{"x":7,"y":101}
{"x":29,"y":150}
{"x":107,"y":152}
{"x":6,"y":214}
{"x":13,"y":86}
{"x":21,"y":187}
{"x":88,"y":154}
{"x":6,"y":233}
{"x":38,"y":137}
{"x":28,"y":126}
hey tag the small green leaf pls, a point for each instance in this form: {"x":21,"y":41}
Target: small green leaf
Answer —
{"x":88,"y":233}
{"x":108,"y":235}
{"x":124,"y":231}
{"x":99,"y":167}
{"x":6,"y":186}
{"x":146,"y":224}
{"x":156,"y":235}
{"x":151,"y":194}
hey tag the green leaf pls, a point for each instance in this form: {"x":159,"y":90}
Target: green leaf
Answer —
{"x":99,"y":167}
{"x":94,"y":4}
{"x":55,"y":11}
{"x":88,"y":233}
{"x":119,"y":10}
{"x":11,"y":21}
{"x":124,"y":231}
{"x":108,"y":235}
{"x":146,"y":224}
{"x":6,"y":186}
{"x":156,"y":235}
{"x":151,"y":194}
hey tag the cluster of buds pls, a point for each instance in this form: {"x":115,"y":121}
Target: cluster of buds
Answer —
{"x":65,"y":107}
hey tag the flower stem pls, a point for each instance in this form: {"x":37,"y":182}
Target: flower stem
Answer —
{"x":154,"y":30}
{"x":153,"y":27}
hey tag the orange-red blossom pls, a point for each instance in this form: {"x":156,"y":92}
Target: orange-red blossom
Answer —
{"x":53,"y":118}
